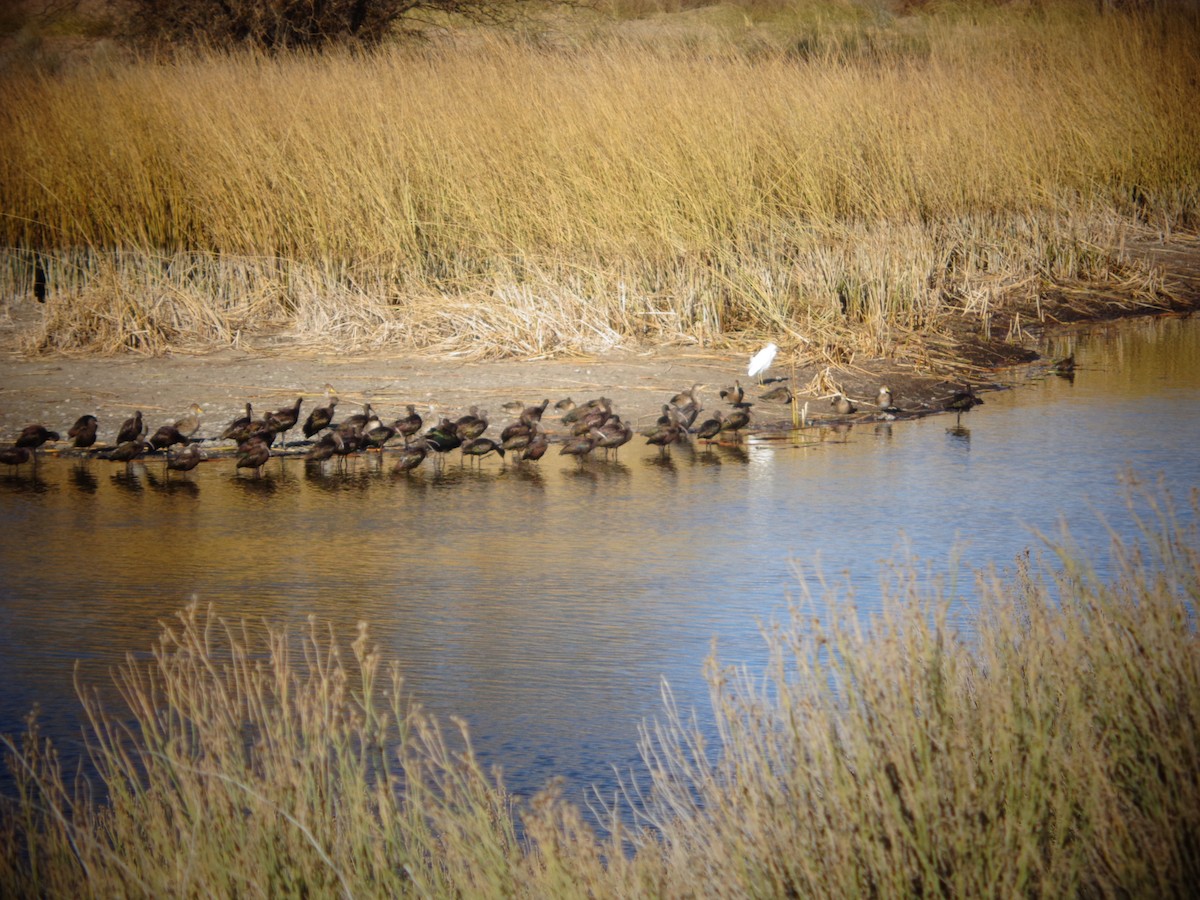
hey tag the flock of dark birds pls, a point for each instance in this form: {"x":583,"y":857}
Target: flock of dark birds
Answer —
{"x":584,"y":428}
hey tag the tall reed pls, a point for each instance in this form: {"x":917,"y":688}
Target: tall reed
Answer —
{"x":627,"y":188}
{"x":1039,"y":738}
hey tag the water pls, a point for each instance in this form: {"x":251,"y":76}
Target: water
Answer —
{"x":546,"y":604}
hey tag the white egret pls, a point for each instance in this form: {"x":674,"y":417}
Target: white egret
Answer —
{"x":761,"y":361}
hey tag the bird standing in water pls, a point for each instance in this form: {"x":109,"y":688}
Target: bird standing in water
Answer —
{"x":254,"y":455}
{"x":411,"y":456}
{"x":710,"y":428}
{"x":126,"y":452}
{"x":735,"y":422}
{"x":481,"y":447}
{"x":239,"y":429}
{"x":410,"y":424}
{"x":16,"y":456}
{"x":185,"y":460}
{"x":83,"y":432}
{"x":166,"y":436}
{"x":282,"y":420}
{"x":33,"y":436}
{"x":665,"y":435}
{"x":324,"y":448}
{"x":321,"y":417}
{"x":132,"y":428}
{"x":538,"y":443}
{"x":578,"y":447}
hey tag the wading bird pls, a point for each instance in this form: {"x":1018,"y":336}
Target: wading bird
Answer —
{"x":239,"y":429}
{"x":185,"y":460}
{"x":411,"y":456}
{"x":321,"y":417}
{"x":132,"y":428}
{"x":480,"y":447}
{"x":33,"y":436}
{"x":842,"y":405}
{"x":254,"y":455}
{"x":761,"y":361}
{"x":83,"y":432}
{"x":166,"y":436}
{"x":282,"y":420}
{"x":735,"y":422}
{"x":189,"y":424}
{"x":16,"y":456}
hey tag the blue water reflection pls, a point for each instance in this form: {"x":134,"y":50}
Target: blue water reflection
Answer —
{"x":544,"y":604}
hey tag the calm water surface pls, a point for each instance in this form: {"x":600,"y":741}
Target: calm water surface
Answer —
{"x":545,"y":604}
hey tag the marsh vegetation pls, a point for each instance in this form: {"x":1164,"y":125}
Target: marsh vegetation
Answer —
{"x":1039,"y":739}
{"x":846,"y":179}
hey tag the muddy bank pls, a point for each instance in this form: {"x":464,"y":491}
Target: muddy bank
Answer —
{"x":56,"y":390}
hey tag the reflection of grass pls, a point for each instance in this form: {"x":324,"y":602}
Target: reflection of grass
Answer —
{"x":1051,"y":749}
{"x":850,"y":183}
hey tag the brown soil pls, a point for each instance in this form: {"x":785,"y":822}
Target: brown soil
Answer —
{"x":56,"y":390}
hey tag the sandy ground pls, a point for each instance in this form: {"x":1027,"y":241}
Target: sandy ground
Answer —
{"x":54,"y":391}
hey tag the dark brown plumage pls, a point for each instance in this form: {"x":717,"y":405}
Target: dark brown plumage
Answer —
{"x":131,"y":429}
{"x":613,"y":435}
{"x":411,"y":456}
{"x":254,"y":455}
{"x":410,"y":424}
{"x":16,"y":456}
{"x":578,"y":447}
{"x":735,"y":422}
{"x":126,"y":451}
{"x":963,"y":400}
{"x":533,"y":414}
{"x":83,"y":432}
{"x":33,"y":436}
{"x":710,"y":428}
{"x":666,"y":435}
{"x":239,"y":429}
{"x":471,"y":425}
{"x":185,"y":460}
{"x":166,"y":436}
{"x":320,"y":418}
{"x":481,"y":447}
{"x":283,"y":420}
{"x":538,"y":444}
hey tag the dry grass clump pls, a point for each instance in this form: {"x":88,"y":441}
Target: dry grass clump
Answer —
{"x":610,"y":187}
{"x":1044,"y":741}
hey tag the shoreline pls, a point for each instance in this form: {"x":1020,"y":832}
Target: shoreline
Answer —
{"x":55,"y":390}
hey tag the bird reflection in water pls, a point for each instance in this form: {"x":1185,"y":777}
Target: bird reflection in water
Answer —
{"x":167,"y":485}
{"x":263,"y":486}
{"x":129,"y":479}
{"x":960,"y":435}
{"x":84,"y":479}
{"x":735,"y":453}
{"x":662,"y":461}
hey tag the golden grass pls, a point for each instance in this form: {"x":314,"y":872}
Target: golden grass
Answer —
{"x":619,"y":183}
{"x":1039,"y":738}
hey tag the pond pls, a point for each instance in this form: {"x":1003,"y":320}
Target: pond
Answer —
{"x":546,"y":603}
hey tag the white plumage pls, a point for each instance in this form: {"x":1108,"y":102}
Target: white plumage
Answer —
{"x":761,"y":361}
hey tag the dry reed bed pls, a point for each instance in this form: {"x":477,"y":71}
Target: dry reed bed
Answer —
{"x":502,"y":199}
{"x":1040,"y":738}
